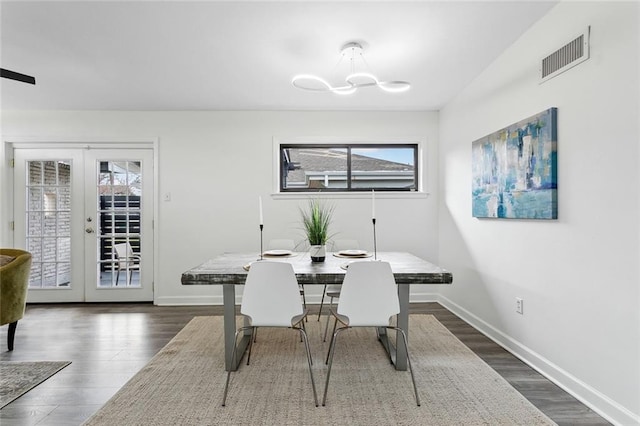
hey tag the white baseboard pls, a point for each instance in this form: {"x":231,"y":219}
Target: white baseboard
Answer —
{"x":592,"y":398}
{"x":188,"y":300}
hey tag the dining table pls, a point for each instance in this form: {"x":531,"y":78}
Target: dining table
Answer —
{"x":230,"y":270}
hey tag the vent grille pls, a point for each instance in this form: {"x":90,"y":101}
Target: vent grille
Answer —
{"x":568,"y":56}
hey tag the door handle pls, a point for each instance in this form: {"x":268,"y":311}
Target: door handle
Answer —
{"x":89,"y":230}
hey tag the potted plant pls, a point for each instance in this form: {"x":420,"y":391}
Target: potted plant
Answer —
{"x":315,"y":221}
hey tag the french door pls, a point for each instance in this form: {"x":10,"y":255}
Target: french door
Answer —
{"x":86,"y":216}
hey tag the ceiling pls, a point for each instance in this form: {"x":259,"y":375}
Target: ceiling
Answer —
{"x":242,"y":55}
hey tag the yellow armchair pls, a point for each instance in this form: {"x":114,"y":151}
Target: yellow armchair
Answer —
{"x":15,"y":266}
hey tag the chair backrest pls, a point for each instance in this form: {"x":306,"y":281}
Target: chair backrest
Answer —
{"x":14,"y":283}
{"x":124,"y":252}
{"x":369,"y":295}
{"x":282,"y":244}
{"x":271,"y":295}
{"x":343,"y":244}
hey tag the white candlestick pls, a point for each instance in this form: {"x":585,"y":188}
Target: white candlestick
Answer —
{"x":260,"y":204}
{"x":373,"y":204}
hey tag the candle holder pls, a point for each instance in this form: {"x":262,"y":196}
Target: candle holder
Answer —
{"x":261,"y":251}
{"x":375,"y":248}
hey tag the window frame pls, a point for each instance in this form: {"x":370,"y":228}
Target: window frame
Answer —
{"x":349,"y":146}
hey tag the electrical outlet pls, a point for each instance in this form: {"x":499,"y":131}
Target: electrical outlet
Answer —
{"x":519,"y":305}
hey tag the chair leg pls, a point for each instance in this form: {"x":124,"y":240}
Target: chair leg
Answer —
{"x":326,"y":327}
{"x":333,"y":336}
{"x":117,"y":277}
{"x":303,"y":334}
{"x":303,"y":327}
{"x":254,"y":330}
{"x":324,"y":291}
{"x":332,"y":350}
{"x":11,"y":334}
{"x":304,"y":300}
{"x":406,"y":345}
{"x":233,"y":360}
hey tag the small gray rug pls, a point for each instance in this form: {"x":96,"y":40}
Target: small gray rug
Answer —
{"x":183,"y":383}
{"x":19,"y":377}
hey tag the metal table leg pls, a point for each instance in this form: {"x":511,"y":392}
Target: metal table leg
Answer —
{"x":229,"y":299}
{"x":398,"y":352}
{"x":403,"y":323}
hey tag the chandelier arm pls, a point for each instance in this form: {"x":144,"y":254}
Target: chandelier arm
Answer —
{"x":345,"y":90}
{"x":298,"y":81}
{"x":394,"y":86}
{"x":358,"y":85}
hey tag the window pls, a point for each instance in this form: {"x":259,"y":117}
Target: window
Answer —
{"x":348,"y":167}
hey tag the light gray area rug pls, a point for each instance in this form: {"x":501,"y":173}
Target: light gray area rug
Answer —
{"x":183,"y":383}
{"x":19,"y":377}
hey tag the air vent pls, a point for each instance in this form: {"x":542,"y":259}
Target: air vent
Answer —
{"x":566,"y":57}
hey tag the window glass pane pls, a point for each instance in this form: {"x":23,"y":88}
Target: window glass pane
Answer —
{"x":50,"y":173}
{"x":34,"y":247}
{"x":35,"y":198}
{"x":34,"y":223}
{"x":50,"y":278}
{"x":50,"y":201}
{"x":311,"y":168}
{"x":64,"y":198}
{"x":35,"y":173}
{"x":64,"y":250}
{"x":378,"y":168}
{"x":50,"y":225}
{"x":64,"y":173}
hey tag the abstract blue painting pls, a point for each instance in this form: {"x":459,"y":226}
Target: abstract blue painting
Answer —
{"x":515,"y":170}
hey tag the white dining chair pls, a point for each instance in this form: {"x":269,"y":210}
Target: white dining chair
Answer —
{"x":287,"y":244}
{"x":333,"y":290}
{"x":271,"y":299}
{"x":368,"y":298}
{"x":126,"y":260}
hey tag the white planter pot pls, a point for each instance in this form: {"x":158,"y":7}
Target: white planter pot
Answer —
{"x":318,"y":253}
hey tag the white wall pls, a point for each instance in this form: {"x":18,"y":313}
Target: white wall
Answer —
{"x":216,"y":164}
{"x":578,"y":275}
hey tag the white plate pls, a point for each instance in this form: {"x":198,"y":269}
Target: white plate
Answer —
{"x":352,"y":252}
{"x":278,"y":252}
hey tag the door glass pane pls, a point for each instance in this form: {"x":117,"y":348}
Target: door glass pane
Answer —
{"x":48,"y":217}
{"x":118,"y":211}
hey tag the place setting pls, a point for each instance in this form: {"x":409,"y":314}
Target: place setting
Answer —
{"x":277,"y":253}
{"x":352,"y":254}
{"x":271,"y":254}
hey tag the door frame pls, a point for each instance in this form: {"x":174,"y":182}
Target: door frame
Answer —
{"x":7,"y":236}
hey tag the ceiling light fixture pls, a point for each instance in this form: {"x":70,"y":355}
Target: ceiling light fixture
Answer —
{"x":354,"y":80}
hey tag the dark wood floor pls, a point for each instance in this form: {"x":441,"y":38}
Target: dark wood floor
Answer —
{"x":109,"y":343}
